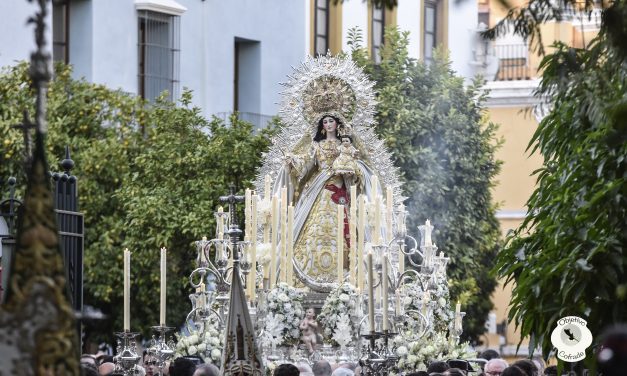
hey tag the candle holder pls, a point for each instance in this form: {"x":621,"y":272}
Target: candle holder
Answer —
{"x":127,"y":360}
{"x":377,"y":360}
{"x":160,"y":350}
{"x":458,"y":328}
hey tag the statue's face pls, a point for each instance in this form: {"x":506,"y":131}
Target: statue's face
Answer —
{"x":329,"y":124}
{"x":346,"y":142}
{"x":309,"y":313}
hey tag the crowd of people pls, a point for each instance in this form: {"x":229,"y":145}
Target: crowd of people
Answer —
{"x":612,"y":361}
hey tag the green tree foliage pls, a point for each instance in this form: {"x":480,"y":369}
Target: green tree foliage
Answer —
{"x":149,"y":176}
{"x":445,"y":148}
{"x":568,"y":256}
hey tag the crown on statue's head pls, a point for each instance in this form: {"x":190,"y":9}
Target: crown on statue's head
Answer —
{"x":329,"y":96}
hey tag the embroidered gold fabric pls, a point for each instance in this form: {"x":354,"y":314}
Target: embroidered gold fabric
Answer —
{"x":316,"y":246}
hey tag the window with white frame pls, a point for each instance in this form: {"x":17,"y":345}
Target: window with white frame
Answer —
{"x":378,"y":22}
{"x":158,"y":54}
{"x":60,"y":31}
{"x":430,"y":31}
{"x":321,"y":32}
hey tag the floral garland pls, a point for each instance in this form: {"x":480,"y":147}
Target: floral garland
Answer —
{"x":206,"y":344}
{"x":416,"y":355}
{"x":285,"y":305}
{"x":340,"y":301}
{"x":439,"y":301}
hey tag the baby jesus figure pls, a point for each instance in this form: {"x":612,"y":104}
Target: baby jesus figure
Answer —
{"x":345,"y":162}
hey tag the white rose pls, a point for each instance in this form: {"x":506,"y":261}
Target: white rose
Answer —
{"x":272,"y":305}
{"x":192,"y":350}
{"x":216,"y":354}
{"x":429,"y":349}
{"x":214,"y":341}
{"x":202,"y":347}
{"x":442,"y":302}
{"x":280,"y":317}
{"x":412,"y":358}
{"x":401,"y":351}
{"x":193,"y":339}
{"x":344,"y":297}
{"x":284,"y":297}
{"x":287,"y":306}
{"x":298,"y":312}
{"x":407,"y":300}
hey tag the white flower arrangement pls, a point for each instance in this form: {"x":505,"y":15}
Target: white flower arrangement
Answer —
{"x":285,"y":305}
{"x":207,"y":344}
{"x":263,"y":253}
{"x":343,"y":331}
{"x":439,"y":301}
{"x":416,"y":355}
{"x":340,"y":301}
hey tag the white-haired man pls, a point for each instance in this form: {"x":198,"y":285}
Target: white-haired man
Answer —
{"x":495,"y":367}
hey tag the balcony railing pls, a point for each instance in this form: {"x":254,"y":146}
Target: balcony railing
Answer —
{"x":258,"y":121}
{"x":513,"y":62}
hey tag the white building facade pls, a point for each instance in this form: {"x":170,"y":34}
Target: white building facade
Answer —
{"x":231,"y":54}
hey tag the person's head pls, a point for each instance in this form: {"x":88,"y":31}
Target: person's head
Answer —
{"x":513,"y":371}
{"x":322,"y":368}
{"x":286,"y":370}
{"x":437,"y":366}
{"x":106,"y":369}
{"x":489,"y":354}
{"x":419,"y":373}
{"x":310,"y":313}
{"x":346,"y":140}
{"x":89,"y":369}
{"x":341,"y":371}
{"x":494,"y":367}
{"x":454,"y":372}
{"x":527,"y":366}
{"x":349,"y":365}
{"x":104,"y":358}
{"x":304,"y":368}
{"x":182,"y":367}
{"x":327,"y":123}
{"x":550,"y":371}
{"x":89,"y":359}
{"x":539,"y":362}
{"x":207,"y":370}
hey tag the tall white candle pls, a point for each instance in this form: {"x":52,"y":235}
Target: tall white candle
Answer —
{"x":352,"y":227}
{"x":374,"y":186}
{"x":428,"y":233}
{"x":127,"y":290}
{"x":201,"y":298}
{"x":370,"y":293}
{"x":290,"y":244}
{"x":247,"y":212}
{"x":376,"y":231}
{"x":361,"y":233}
{"x":273,"y":249}
{"x":220,"y":221}
{"x":253,"y":246}
{"x":385,"y":291}
{"x":267,"y":193}
{"x":163,"y":287}
{"x":389,"y":204}
{"x":283,"y":232}
{"x":458,"y":316}
{"x":340,"y":243}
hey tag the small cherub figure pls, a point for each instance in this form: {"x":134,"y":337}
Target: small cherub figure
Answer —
{"x":345,"y":164}
{"x":308,"y":327}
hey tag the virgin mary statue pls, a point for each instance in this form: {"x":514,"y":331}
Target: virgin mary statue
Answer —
{"x":327,"y":145}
